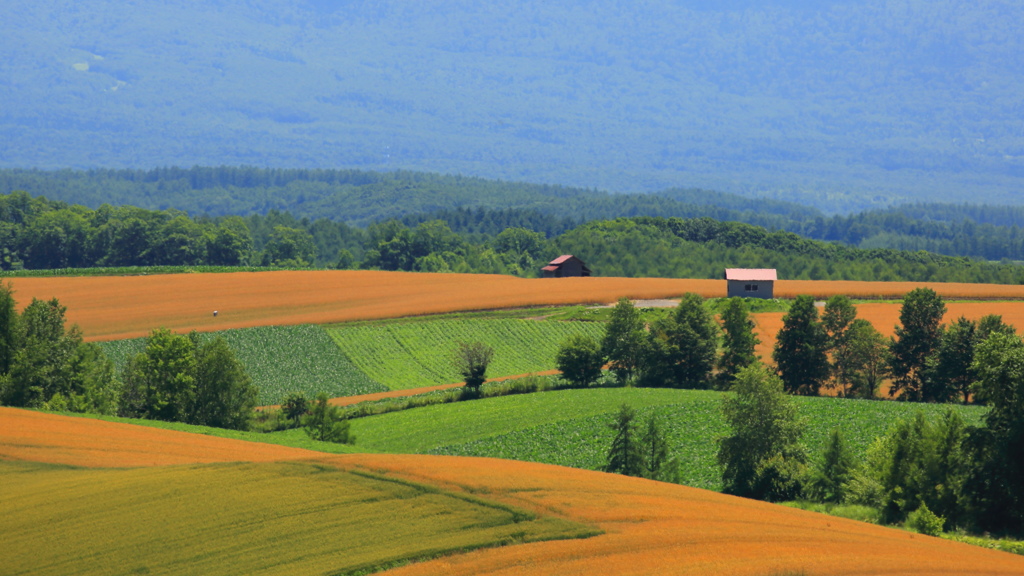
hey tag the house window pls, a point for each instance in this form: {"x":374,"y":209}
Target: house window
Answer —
{"x":751,"y":288}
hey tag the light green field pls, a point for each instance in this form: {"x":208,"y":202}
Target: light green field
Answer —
{"x":570,"y":427}
{"x":277,"y":518}
{"x":413,"y":354}
{"x":281,"y":360}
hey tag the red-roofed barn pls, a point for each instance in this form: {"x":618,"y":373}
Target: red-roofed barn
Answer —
{"x":565,"y":266}
{"x":751,"y":282}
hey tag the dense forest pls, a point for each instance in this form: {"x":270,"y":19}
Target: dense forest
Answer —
{"x":36,"y":233}
{"x":839,"y":104}
{"x":474,"y":205}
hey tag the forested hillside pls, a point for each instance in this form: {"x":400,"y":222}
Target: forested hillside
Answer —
{"x":270,"y":197}
{"x":36,"y":233}
{"x":843,"y":104}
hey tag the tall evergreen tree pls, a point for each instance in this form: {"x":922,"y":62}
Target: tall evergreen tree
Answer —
{"x":829,"y":478}
{"x":625,"y":456}
{"x":916,"y":339}
{"x":800,"y":349}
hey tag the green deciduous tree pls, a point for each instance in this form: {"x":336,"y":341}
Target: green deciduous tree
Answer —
{"x":738,"y":342}
{"x":995,"y":489}
{"x":949,"y":372}
{"x":178,"y":379}
{"x":225,"y":395}
{"x":800,"y":349}
{"x":861,"y":361}
{"x":916,"y":339}
{"x":325,"y":423}
{"x":762,"y":457}
{"x":623,"y":342}
{"x":471,"y":360}
{"x":579,"y":359}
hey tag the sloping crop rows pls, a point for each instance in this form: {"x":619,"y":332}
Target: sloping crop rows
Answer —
{"x":281,"y":360}
{"x":403,"y":355}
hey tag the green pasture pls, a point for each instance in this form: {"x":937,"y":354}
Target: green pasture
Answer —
{"x":570,"y":427}
{"x":281,"y":360}
{"x":413,"y":354}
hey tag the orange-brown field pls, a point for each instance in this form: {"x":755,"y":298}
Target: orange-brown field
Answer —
{"x":113,"y":307}
{"x":649,"y":527}
{"x":884,"y":316}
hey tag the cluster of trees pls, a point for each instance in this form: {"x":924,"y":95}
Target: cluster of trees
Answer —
{"x":933,"y":474}
{"x":45,"y":364}
{"x":925,"y":360}
{"x":177,"y":378}
{"x":640,"y":449}
{"x":680,"y":350}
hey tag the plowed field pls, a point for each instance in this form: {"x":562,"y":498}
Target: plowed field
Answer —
{"x":115,"y":307}
{"x":649,"y":527}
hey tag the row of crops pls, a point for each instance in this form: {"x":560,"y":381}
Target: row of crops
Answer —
{"x":405,"y":355}
{"x":363,"y":359}
{"x":281,"y":360}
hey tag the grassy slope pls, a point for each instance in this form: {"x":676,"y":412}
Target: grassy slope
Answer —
{"x":281,"y":360}
{"x":404,"y":355}
{"x":570,"y":427}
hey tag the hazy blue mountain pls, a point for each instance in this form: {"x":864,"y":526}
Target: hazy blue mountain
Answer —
{"x":839,"y":104}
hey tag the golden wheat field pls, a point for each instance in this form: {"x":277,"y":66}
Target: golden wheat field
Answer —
{"x":114,"y":307}
{"x":646,"y":527}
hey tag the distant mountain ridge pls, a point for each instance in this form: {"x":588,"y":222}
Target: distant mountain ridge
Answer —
{"x":842,"y":105}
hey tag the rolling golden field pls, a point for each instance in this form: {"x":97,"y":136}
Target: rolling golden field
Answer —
{"x":646,"y":527}
{"x":115,"y":307}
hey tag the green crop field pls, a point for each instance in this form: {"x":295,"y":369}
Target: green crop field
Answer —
{"x":413,"y":354}
{"x":281,"y":360}
{"x":570,"y":427}
{"x":277,"y":518}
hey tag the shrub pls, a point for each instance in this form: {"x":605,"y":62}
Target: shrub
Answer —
{"x":925,"y":521}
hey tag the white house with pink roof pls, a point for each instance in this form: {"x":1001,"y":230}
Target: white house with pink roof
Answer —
{"x":751,"y":282}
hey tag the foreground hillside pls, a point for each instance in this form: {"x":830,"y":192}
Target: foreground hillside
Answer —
{"x":648,"y":527}
{"x":116,"y":307}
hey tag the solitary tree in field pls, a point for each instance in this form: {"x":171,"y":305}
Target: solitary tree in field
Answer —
{"x":471,"y":361}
